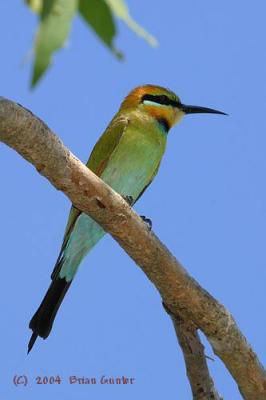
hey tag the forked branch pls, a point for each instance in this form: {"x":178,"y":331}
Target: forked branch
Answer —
{"x":184,"y":297}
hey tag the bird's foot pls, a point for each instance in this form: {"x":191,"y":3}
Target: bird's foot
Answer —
{"x":129,"y":200}
{"x":147,"y":221}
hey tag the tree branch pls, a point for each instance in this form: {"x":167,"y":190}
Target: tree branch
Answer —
{"x":184,"y":297}
{"x":201,"y":383}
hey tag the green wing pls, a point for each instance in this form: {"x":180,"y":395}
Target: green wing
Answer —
{"x":154,"y":174}
{"x":106,"y":145}
{"x":97,"y":162}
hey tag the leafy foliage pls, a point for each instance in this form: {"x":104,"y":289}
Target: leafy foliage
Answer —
{"x":55,"y":23}
{"x":120,"y":9}
{"x":55,"y":20}
{"x":99,"y":17}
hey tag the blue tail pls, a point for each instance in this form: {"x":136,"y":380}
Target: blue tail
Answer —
{"x":84,"y":235}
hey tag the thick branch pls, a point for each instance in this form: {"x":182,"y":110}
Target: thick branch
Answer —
{"x":31,"y":138}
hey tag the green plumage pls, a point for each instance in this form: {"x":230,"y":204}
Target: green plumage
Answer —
{"x":127,"y":157}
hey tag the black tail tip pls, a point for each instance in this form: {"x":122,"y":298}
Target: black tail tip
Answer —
{"x":32,"y":341}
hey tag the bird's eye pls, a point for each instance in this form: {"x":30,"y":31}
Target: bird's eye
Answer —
{"x":164,"y":100}
{"x":159,"y":99}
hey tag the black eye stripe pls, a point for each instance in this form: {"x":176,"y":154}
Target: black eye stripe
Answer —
{"x":162,"y":99}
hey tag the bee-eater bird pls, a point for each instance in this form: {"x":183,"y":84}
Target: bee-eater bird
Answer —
{"x":127,"y":157}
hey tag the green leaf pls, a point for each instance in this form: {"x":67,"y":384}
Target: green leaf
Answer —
{"x":55,"y":22}
{"x":98,"y":16}
{"x":35,"y":5}
{"x":119,"y":8}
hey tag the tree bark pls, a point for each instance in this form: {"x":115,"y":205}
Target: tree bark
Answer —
{"x":181,"y":294}
{"x":198,"y":374}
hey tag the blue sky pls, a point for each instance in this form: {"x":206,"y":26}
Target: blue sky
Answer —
{"x":208,"y":203}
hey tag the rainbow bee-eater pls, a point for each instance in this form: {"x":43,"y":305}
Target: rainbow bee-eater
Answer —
{"x":127,"y":157}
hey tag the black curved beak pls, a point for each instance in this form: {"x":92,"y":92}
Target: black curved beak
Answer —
{"x":198,"y":110}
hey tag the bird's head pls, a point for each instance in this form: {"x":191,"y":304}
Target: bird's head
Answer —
{"x":162,"y":104}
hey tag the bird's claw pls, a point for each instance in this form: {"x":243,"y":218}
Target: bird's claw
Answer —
{"x":147,"y":221}
{"x":129,"y":200}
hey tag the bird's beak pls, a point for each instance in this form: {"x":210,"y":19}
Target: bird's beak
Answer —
{"x":198,"y":110}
